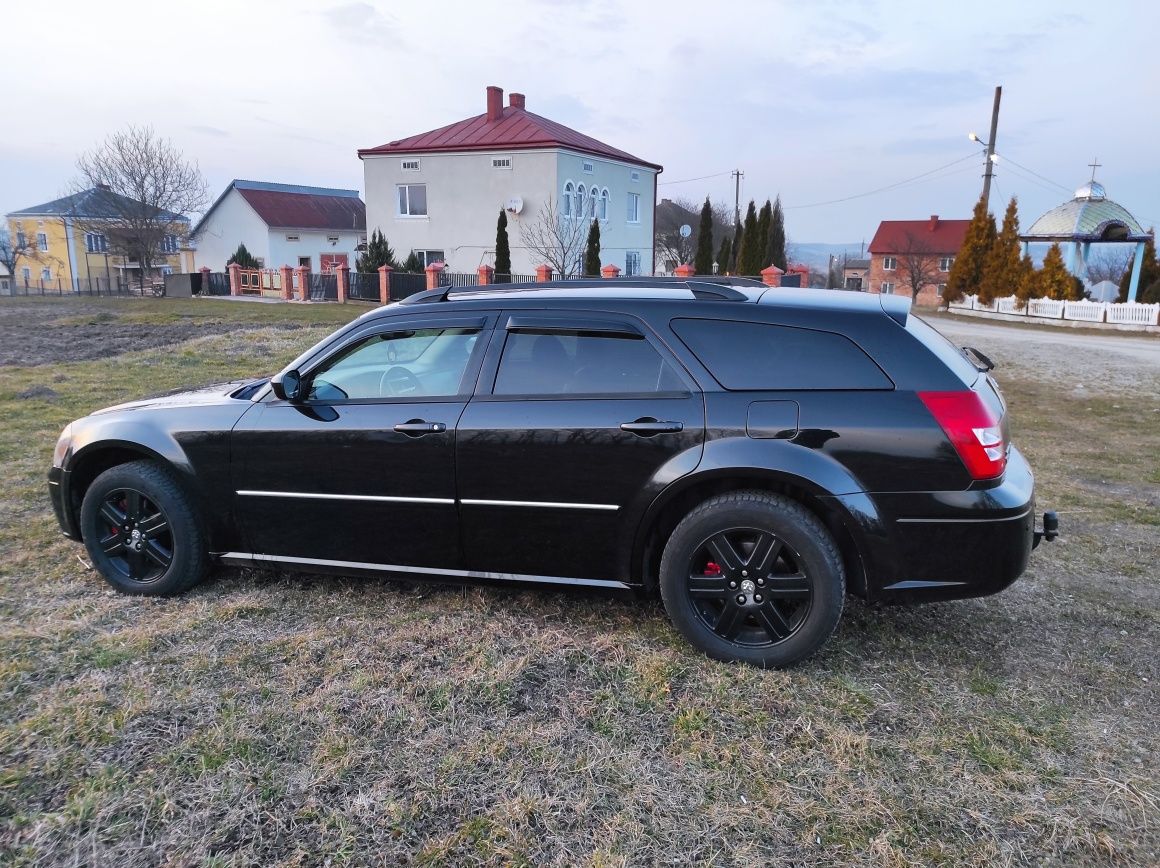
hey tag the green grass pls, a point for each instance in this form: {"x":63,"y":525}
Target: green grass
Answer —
{"x":288,"y":719}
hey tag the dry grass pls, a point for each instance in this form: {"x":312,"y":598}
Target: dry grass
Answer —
{"x":268,"y":718}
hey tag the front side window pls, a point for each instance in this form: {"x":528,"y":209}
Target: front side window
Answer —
{"x":413,"y":363}
{"x":565,"y":363}
{"x":412,"y":200}
{"x":889,"y":263}
{"x":633,"y":210}
{"x":760,"y":356}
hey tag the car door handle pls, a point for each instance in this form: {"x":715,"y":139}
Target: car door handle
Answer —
{"x":418,"y":427}
{"x":650,"y":427}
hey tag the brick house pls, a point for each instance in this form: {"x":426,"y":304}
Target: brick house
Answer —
{"x":904,"y":253}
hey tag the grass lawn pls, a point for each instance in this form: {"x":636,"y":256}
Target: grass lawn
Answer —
{"x":269,"y":718}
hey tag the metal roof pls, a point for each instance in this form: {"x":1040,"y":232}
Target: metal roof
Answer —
{"x":1090,"y":216}
{"x":294,"y":206}
{"x":94,"y":203}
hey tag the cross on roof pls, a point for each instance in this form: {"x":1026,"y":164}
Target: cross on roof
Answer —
{"x":1095,"y":164}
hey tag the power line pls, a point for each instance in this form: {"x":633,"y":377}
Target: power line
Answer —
{"x":888,"y":186}
{"x":1004,"y":158}
{"x":689,"y":180}
{"x":1030,"y":177}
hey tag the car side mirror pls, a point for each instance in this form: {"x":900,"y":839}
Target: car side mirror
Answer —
{"x":288,"y":386}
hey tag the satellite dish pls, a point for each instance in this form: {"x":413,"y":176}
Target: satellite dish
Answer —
{"x":515,"y":204}
{"x":686,"y":230}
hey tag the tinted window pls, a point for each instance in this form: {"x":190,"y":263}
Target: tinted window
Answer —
{"x":749,"y":355}
{"x":950,"y":355}
{"x":578,"y":363}
{"x":417,"y":363}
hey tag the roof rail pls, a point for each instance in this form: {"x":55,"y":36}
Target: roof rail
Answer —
{"x":709,"y":287}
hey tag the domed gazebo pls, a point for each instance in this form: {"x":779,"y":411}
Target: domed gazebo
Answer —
{"x":1089,"y":218}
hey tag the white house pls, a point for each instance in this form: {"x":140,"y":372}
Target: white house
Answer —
{"x":282,"y":224}
{"x":439,"y":193}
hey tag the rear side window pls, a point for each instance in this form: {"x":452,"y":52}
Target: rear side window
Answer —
{"x":581,"y":363}
{"x":949,"y":354}
{"x":758,"y":356}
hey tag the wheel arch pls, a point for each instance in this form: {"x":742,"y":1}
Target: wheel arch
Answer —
{"x":676,"y":501}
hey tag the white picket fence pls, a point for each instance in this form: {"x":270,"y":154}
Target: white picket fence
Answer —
{"x":1131,"y":312}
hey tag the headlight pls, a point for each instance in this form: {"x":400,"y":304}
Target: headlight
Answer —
{"x":62,"y":446}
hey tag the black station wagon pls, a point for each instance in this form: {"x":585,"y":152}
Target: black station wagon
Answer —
{"x":754,"y":454}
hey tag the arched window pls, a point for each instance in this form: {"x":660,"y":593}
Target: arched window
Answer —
{"x":581,"y":205}
{"x":593,"y":198}
{"x":566,"y":206}
{"x":603,"y":211}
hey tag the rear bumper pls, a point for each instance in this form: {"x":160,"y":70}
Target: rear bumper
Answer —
{"x":953,"y":544}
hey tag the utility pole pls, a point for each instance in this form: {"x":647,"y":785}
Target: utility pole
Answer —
{"x":991,"y":148}
{"x":737,"y":176}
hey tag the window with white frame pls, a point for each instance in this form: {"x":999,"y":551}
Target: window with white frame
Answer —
{"x":634,"y":176}
{"x":167,"y":270}
{"x":588,"y":167}
{"x":96,"y":242}
{"x":631,"y":263}
{"x":581,"y":204}
{"x":501,"y":162}
{"x":566,"y":205}
{"x":332,"y":239}
{"x":889,"y":263}
{"x":602,"y":211}
{"x":41,"y":241}
{"x":887,"y":288}
{"x":945,"y":263}
{"x":46,"y":273}
{"x":412,"y":200}
{"x":169,"y":244}
{"x":593,"y":199}
{"x":429,"y":256}
{"x":632,"y":211}
{"x":410,"y":165}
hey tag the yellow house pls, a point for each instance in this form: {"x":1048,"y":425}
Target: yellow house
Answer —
{"x":73,"y":243}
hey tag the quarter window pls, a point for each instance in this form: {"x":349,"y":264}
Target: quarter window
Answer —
{"x":412,"y":200}
{"x":581,"y":363}
{"x":416,"y":363}
{"x":633,"y":209}
{"x":759,"y":356}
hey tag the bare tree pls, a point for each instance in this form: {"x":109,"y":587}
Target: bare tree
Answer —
{"x":919,"y":264}
{"x":557,"y":238}
{"x":679,"y":211}
{"x":13,"y":250}
{"x":143,"y":185}
{"x":1110,"y":264}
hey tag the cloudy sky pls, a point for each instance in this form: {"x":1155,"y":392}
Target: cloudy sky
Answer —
{"x":815,"y":101}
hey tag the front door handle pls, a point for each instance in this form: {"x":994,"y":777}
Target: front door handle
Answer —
{"x":418,"y":427}
{"x":650,"y":427}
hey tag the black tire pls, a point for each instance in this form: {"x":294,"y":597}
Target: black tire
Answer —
{"x":776,"y":555}
{"x":142,"y":531}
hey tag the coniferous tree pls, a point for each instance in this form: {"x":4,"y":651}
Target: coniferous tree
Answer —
{"x":775,"y":253}
{"x":592,"y":250}
{"x":1002,"y":270}
{"x":503,"y":251}
{"x":1028,"y":286}
{"x":1054,"y":279}
{"x":413,"y":264}
{"x":735,"y":249}
{"x":724,"y":254}
{"x":1149,"y":275}
{"x":378,"y":253}
{"x":764,"y":220}
{"x":244,"y":258}
{"x":752,"y":249}
{"x":703,"y":260}
{"x":967,"y":270}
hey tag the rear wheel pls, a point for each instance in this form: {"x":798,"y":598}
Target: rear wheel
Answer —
{"x":753,"y":577}
{"x":142,"y":532}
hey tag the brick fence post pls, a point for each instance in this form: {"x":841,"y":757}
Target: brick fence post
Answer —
{"x":543,"y":273}
{"x":433,"y":270}
{"x":610,"y":271}
{"x":385,"y":284}
{"x":684,"y":271}
{"x":302,"y":275}
{"x":287,"y":277}
{"x":486,"y":275}
{"x":342,"y":278}
{"x":235,"y":271}
{"x":205,"y":273}
{"x":771,"y":276}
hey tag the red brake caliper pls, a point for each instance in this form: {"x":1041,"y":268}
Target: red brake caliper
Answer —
{"x":712,"y":569}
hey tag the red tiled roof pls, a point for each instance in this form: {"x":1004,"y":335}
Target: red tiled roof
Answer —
{"x":516,"y":129}
{"x":286,"y":210}
{"x":928,"y":236}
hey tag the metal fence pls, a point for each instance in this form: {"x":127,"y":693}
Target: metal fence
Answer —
{"x":514,"y":278}
{"x":405,"y":283}
{"x":81,"y":286}
{"x":364,"y":287}
{"x":447,"y":278}
{"x":324,"y":287}
{"x":217,"y":283}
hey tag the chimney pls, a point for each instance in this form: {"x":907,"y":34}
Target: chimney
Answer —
{"x":933,"y":222}
{"x":494,"y":103}
{"x":516,"y":101}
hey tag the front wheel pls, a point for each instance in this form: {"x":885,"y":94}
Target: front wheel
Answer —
{"x":753,"y":577}
{"x":142,"y":531}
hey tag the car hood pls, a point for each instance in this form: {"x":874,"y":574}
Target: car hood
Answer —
{"x":215,"y":393}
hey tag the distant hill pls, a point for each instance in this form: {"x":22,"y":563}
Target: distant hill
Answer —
{"x":816,"y":254}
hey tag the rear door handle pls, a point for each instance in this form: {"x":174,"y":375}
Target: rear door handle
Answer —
{"x":650,"y":427}
{"x":418,"y":427}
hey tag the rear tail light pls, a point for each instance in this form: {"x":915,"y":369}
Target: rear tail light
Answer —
{"x":973,"y":429}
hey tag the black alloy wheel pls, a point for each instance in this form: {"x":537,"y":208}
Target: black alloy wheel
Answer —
{"x":135,"y":535}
